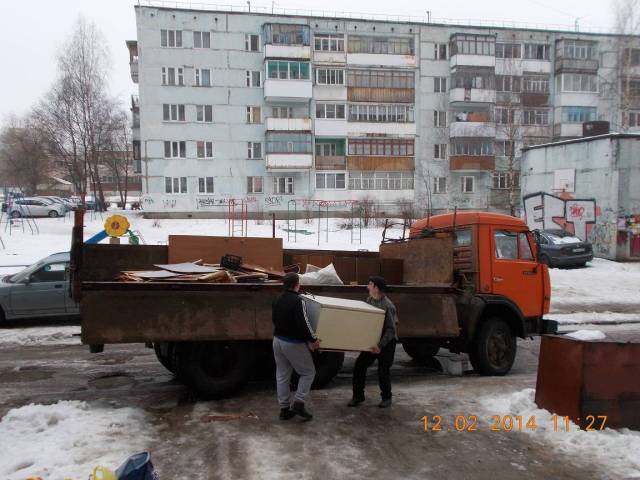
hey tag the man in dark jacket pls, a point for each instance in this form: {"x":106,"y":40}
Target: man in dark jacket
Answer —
{"x":384,"y":351}
{"x":293,"y":341}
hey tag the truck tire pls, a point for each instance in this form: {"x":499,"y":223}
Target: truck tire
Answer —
{"x":164,"y":353}
{"x":214,"y":369}
{"x":420,"y":351}
{"x":493,"y":351}
{"x":328,"y":365}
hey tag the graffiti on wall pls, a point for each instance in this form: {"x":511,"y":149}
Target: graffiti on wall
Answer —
{"x":544,"y":211}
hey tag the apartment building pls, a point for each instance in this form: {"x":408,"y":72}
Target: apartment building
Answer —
{"x":281,"y":112}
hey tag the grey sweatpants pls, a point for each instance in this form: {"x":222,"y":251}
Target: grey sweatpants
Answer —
{"x":289,"y":357}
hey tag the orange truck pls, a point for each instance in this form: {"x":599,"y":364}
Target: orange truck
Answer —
{"x":468,"y":282}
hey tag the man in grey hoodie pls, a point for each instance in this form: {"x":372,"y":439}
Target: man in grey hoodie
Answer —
{"x":383,"y":352}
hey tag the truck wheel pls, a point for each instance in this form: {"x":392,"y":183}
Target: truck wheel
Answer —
{"x":328,"y":365}
{"x":215,"y":369}
{"x":164,"y":353}
{"x":419,"y":350}
{"x":494,"y":348}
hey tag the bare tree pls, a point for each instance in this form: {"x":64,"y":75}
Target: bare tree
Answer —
{"x":627,"y":26}
{"x":24,"y":162}
{"x":119,"y":157}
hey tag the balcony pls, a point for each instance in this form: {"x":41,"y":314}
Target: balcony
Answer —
{"x":536,"y":66}
{"x":567,"y":130}
{"x":468,"y":60}
{"x":472,"y":95}
{"x":298,"y":52}
{"x":379,"y":162}
{"x":289,"y":124}
{"x":330,"y":127}
{"x":381,"y":60}
{"x":132,"y":45}
{"x":579,"y":65}
{"x":472,"y":162}
{"x":277,"y":90}
{"x":289,"y":162}
{"x":375,"y":94}
{"x":534,"y":99}
{"x":331,"y":163}
{"x":472,"y":129}
{"x":380,"y":128}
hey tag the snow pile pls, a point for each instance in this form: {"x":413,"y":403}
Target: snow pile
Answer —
{"x":601,"y":318}
{"x":41,"y":336}
{"x":586,"y":335}
{"x":615,"y":450}
{"x":68,"y":439}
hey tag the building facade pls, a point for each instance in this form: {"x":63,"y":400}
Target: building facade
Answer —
{"x":587,"y":186}
{"x":276,"y":111}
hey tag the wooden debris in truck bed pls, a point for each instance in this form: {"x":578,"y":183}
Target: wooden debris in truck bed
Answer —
{"x":189,"y":267}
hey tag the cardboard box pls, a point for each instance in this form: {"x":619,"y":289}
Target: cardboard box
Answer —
{"x":345,"y":325}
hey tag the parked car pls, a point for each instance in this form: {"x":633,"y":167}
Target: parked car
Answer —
{"x":41,"y":290}
{"x":559,"y":248}
{"x":36,"y":207}
{"x":60,"y":201}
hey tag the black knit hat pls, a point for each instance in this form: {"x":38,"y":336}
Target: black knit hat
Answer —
{"x":379,"y":282}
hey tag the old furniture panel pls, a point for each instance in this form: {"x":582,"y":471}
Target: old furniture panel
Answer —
{"x":426,"y":260}
{"x":265,"y":252}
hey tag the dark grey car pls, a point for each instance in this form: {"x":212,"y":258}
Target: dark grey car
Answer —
{"x":559,"y":248}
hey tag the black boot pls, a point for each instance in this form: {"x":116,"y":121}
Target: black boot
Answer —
{"x":286,"y":414}
{"x":298,"y":409}
{"x":355,"y":401}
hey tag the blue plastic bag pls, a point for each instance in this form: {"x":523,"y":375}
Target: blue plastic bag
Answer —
{"x":137,"y":467}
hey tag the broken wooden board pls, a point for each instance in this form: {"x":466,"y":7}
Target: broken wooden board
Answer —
{"x":265,"y":252}
{"x":188,"y":267}
{"x":426,"y":260}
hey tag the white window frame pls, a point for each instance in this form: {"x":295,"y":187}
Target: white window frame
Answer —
{"x":250,"y":79}
{"x":247,"y":42}
{"x":198,"y":77}
{"x":201,"y":113}
{"x":201,"y":36}
{"x":324,"y":179}
{"x":254,"y":114}
{"x":278,"y":110}
{"x":204,"y":149}
{"x":501,"y":180}
{"x":439,"y":185}
{"x":177,"y":149}
{"x":440,"y":151}
{"x":251,"y":185}
{"x":177,"y":185}
{"x":366,"y":180}
{"x":332,"y":76}
{"x":437,"y":51}
{"x":328,"y":107}
{"x":283,"y":185}
{"x":204,"y":184}
{"x":251,"y":150}
{"x":327,"y":42}
{"x":535,"y":116}
{"x":440,"y":118}
{"x":464,"y":185}
{"x":166,"y":37}
{"x":440,"y":84}
{"x":326,"y":150}
{"x":173,"y":112}
{"x":178,"y":76}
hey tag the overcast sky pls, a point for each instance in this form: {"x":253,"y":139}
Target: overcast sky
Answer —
{"x":33,"y":30}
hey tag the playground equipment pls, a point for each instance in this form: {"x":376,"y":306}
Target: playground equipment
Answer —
{"x":115,"y":227}
{"x":237,"y":217}
{"x":356,"y":218}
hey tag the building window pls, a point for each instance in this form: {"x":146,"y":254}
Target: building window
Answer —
{"x":252,"y":43}
{"x":439,"y":84}
{"x":171,"y":38}
{"x":535,"y":117}
{"x":173,"y":76}
{"x":504,"y":115}
{"x":204,"y":149}
{"x":504,"y":180}
{"x":204,"y":113}
{"x":281,"y":112}
{"x":440,"y":151}
{"x":285,"y":70}
{"x":289,"y":142}
{"x":466,"y":184}
{"x":508,"y":50}
{"x":283,"y":185}
{"x":254,"y":115}
{"x":634,"y":119}
{"x":385,"y":113}
{"x":173,"y":112}
{"x":630,"y":88}
{"x":380,"y":79}
{"x":473,"y":44}
{"x":535,"y":84}
{"x":382,"y":147}
{"x":380,"y":45}
{"x":329,"y":43}
{"x":472,"y":78}
{"x":439,"y":118}
{"x":631,"y":57}
{"x":474,"y":147}
{"x":578,"y":114}
{"x":536,"y":51}
{"x":326,"y":149}
{"x":578,"y":49}
{"x":439,"y":185}
{"x":577,"y":82}
{"x":507,"y":83}
{"x":504,"y":148}
{"x":333,"y":181}
{"x":329,"y":76}
{"x":381,"y":180}
{"x":254,"y":78}
{"x":287,"y":34}
{"x":330,"y":110}
{"x":205,"y":185}
{"x":175,"y":184}
{"x":254,"y":149}
{"x":175,"y":149}
{"x":440,"y":51}
{"x":201,"y":39}
{"x":202,"y":77}
{"x":254,"y":184}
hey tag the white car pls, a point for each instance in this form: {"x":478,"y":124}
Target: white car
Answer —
{"x":36,"y":207}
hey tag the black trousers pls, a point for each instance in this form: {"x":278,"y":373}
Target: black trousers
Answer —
{"x":365,"y":360}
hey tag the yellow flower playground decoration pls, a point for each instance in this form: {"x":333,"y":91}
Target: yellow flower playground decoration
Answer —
{"x":116,"y":226}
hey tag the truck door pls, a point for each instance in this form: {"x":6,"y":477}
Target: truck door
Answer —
{"x":515,"y":273}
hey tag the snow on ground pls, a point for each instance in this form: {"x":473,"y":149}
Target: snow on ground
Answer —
{"x":68,"y":439}
{"x":587,"y":335}
{"x":596,"y":318}
{"x":616,"y":450}
{"x":62,"y":335}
